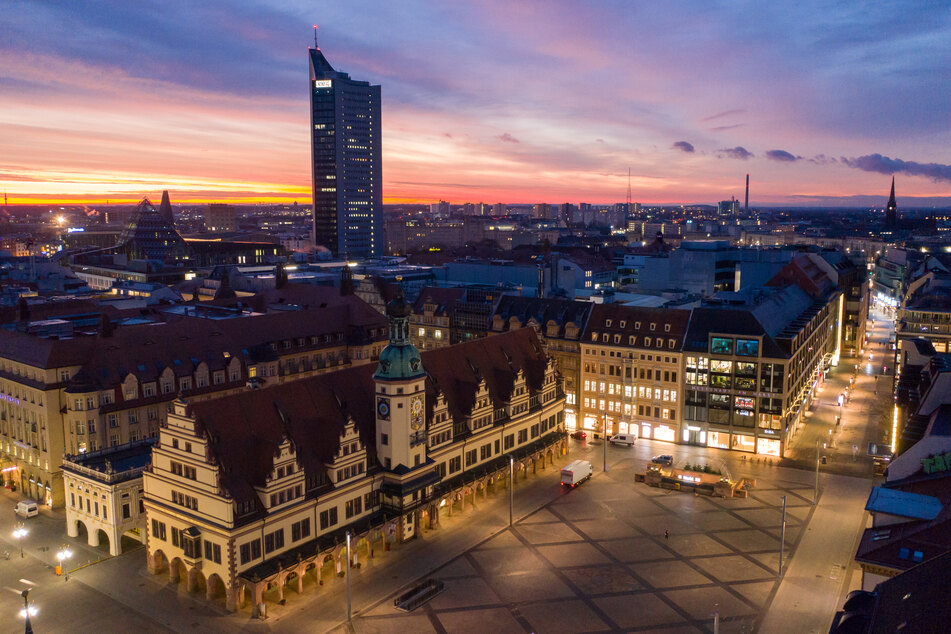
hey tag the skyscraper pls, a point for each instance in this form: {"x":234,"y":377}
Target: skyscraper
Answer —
{"x":347,"y":168}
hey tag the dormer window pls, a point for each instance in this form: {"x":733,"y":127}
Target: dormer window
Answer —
{"x":623,"y":324}
{"x":637,"y":325}
{"x":607,"y":323}
{"x":653,"y":327}
{"x":666,"y":327}
{"x":594,"y":336}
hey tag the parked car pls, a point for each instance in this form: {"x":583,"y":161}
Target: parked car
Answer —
{"x":575,"y":473}
{"x":623,"y":439}
{"x":580,"y":435}
{"x":27,"y":508}
{"x":664,"y":459}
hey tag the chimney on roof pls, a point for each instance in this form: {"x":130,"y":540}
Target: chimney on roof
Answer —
{"x":106,"y":327}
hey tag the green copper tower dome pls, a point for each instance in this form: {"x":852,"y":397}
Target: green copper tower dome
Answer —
{"x":400,"y":359}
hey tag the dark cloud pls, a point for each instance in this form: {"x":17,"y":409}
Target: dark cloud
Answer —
{"x":507,"y":138}
{"x":782,"y":156}
{"x":721,"y":128}
{"x":885,"y":165}
{"x":725,"y":113}
{"x":683,"y":146}
{"x":822,"y":159}
{"x":738,"y":152}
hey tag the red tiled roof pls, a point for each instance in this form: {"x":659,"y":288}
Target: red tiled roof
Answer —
{"x":245,"y":429}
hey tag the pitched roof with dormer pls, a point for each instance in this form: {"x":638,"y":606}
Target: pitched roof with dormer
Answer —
{"x":246,"y":429}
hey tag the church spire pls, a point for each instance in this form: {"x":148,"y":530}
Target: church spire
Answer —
{"x":891,"y":210}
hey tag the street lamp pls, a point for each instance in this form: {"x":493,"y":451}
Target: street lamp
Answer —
{"x":511,"y":489}
{"x":62,"y":555}
{"x":349,"y":560}
{"x":18,"y":534}
{"x":27,"y":611}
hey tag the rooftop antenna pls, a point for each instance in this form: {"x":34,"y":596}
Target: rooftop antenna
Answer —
{"x":315,"y":38}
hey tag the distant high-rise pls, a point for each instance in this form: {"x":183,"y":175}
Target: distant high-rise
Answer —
{"x":346,"y":157}
{"x":891,"y":210}
{"x":220,"y":218}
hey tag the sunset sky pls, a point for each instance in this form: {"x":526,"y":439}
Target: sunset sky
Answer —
{"x":507,"y":101}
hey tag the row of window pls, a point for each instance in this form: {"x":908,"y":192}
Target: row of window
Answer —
{"x":187,"y":501}
{"x":184,"y":470}
{"x":286,"y":495}
{"x":627,"y":409}
{"x":646,"y":342}
{"x":350,"y":471}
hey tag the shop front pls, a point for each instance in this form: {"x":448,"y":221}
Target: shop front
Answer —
{"x":718,"y":439}
{"x":742,"y":442}
{"x":571,"y":420}
{"x":693,"y":435}
{"x":665,"y":433}
{"x":768,"y":446}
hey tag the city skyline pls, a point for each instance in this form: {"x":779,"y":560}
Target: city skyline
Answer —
{"x":486,"y":102}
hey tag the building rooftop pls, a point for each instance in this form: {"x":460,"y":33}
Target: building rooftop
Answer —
{"x":903,"y":503}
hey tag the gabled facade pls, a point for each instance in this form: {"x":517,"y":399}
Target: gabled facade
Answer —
{"x":248,"y":488}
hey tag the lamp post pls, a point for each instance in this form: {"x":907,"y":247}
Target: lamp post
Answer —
{"x":604,"y":440}
{"x":63,"y":555}
{"x":27,"y":611}
{"x":782,"y":539}
{"x":19,"y":533}
{"x":511,"y":487}
{"x":349,"y":617}
{"x":815,"y":497}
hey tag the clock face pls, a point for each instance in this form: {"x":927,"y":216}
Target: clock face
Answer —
{"x":383,"y":408}
{"x":416,"y":413}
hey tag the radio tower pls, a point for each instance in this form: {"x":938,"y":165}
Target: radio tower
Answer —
{"x":629,"y":190}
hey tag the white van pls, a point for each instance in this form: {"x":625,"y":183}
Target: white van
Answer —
{"x":27,"y":508}
{"x":623,"y":439}
{"x":575,"y":473}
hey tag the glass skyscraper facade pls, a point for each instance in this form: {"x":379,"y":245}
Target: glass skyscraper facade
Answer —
{"x":346,"y":158}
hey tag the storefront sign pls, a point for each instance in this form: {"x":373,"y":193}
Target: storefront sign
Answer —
{"x":937,"y":463}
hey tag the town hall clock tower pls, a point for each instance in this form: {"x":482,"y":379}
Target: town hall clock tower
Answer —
{"x":401,"y":420}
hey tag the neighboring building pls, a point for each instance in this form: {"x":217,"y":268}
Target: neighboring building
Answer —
{"x":923,"y":387}
{"x":559,"y":323}
{"x":81,"y":382}
{"x":925,"y":311}
{"x":346,"y":160}
{"x":220,"y":218}
{"x":431,"y":318}
{"x":151,"y":234}
{"x":104,"y":493}
{"x":251,"y":490}
{"x":632,"y":371}
{"x":916,"y":600}
{"x":911,"y":511}
{"x":751,"y":366}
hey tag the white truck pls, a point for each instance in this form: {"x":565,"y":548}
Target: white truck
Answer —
{"x":575,"y":473}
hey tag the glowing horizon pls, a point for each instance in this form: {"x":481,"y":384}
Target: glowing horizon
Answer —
{"x":484,"y":102}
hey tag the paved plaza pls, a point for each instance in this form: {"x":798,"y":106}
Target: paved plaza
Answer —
{"x":597,"y":559}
